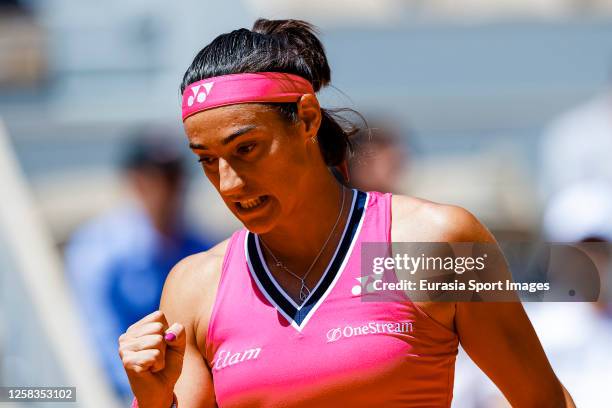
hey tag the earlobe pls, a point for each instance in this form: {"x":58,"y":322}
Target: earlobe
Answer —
{"x":309,"y":113}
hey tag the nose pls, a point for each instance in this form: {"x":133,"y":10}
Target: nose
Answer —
{"x":229,"y":180}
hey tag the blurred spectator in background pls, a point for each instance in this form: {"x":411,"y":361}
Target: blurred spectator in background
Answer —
{"x":117,"y":263}
{"x":577,"y":335}
{"x":379,"y":160}
{"x":577,"y":146}
{"x":580,"y":212}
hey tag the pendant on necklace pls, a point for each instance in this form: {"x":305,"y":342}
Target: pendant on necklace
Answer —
{"x":304,"y":292}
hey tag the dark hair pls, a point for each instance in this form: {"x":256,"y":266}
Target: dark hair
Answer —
{"x":289,"y":46}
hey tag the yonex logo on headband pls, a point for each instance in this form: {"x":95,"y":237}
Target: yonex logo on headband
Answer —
{"x":200,"y":92}
{"x":276,"y":87}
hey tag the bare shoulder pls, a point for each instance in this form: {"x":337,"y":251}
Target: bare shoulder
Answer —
{"x":190,"y":289}
{"x":419,"y":220}
{"x":193,"y":275}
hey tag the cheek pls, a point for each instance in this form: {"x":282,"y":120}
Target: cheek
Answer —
{"x":286,"y":164}
{"x":212,"y":177}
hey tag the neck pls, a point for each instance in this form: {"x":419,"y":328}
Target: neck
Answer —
{"x":298,"y":241}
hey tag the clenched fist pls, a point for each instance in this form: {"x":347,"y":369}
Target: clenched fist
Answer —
{"x":152,"y":355}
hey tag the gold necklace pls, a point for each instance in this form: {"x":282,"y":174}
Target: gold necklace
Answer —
{"x":304,"y":291}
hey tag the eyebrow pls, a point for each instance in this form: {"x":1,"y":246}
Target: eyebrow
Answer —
{"x":227,"y":140}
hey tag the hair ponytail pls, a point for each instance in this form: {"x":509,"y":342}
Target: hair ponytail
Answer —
{"x":290,"y":46}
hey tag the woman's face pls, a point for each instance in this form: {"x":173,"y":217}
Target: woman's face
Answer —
{"x":255,"y":159}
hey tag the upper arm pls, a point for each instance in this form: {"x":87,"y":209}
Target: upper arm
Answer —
{"x":194,"y":387}
{"x":184,"y":298}
{"x":499,"y":337}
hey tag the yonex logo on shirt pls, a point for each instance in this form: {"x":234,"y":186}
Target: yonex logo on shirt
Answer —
{"x":356,"y":290}
{"x":226,"y":358}
{"x":338,"y":333}
{"x":200,"y":92}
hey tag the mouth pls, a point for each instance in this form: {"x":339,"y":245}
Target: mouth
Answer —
{"x":251,"y":204}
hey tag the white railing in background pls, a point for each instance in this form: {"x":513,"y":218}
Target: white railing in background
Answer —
{"x":37,"y":265}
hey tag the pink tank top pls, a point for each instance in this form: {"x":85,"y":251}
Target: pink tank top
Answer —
{"x":264,"y":350}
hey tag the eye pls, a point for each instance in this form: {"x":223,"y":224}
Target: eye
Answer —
{"x":247,"y":148}
{"x":207,"y":160}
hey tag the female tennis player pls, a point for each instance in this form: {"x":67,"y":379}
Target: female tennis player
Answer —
{"x":261,"y":319}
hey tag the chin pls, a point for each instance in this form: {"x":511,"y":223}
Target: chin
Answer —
{"x":258,"y":226}
{"x":259,"y":223}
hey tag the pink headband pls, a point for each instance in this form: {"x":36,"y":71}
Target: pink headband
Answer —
{"x":243,"y":88}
